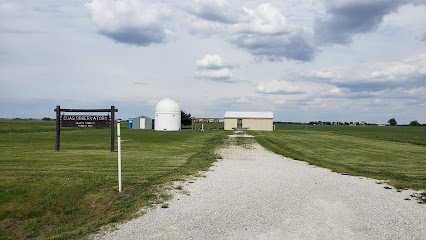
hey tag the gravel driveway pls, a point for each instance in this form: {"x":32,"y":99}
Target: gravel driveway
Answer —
{"x":255,"y":194}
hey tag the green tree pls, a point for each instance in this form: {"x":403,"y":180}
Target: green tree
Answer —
{"x":414,"y":123}
{"x":185,"y":118}
{"x":392,"y":122}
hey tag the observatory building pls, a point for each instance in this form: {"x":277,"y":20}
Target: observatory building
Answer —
{"x":167,"y":115}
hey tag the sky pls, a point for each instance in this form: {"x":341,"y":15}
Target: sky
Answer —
{"x":313,"y":60}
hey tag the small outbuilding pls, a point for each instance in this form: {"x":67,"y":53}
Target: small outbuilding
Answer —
{"x":142,"y":122}
{"x":261,"y":121}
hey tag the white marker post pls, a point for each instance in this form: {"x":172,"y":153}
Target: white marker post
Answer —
{"x":119,"y":155}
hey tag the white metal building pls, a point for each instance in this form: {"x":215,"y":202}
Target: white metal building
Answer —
{"x":142,"y":122}
{"x":262,"y":121}
{"x":167,"y":115}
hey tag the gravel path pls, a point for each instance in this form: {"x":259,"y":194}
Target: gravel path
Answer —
{"x":255,"y":194}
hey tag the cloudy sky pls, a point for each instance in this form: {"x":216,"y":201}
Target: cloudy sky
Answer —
{"x":336,"y":60}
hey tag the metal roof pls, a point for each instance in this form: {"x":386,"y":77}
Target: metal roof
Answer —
{"x":229,"y":114}
{"x":142,"y":116}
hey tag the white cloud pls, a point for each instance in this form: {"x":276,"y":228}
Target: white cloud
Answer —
{"x":210,"y":61}
{"x":266,"y":33}
{"x":299,"y":90}
{"x":212,"y":67}
{"x":372,"y":88}
{"x":279,"y":87}
{"x":131,"y":21}
{"x":408,"y":73}
{"x":411,"y":68}
{"x":320,"y":74}
{"x":264,"y":19}
{"x":223,"y":74}
{"x":419,"y":91}
{"x":204,"y":27}
{"x":243,"y":100}
{"x":263,"y":31}
{"x":335,"y":90}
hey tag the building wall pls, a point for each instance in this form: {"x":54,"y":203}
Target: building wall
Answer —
{"x":251,"y":124}
{"x":136,"y":123}
{"x":258,"y":124}
{"x":142,"y":122}
{"x":148,"y":123}
{"x":167,"y":121}
{"x":230,"y":123}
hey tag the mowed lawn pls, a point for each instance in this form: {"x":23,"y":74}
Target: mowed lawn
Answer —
{"x":406,"y":134}
{"x":396,"y":154}
{"x":67,"y":194}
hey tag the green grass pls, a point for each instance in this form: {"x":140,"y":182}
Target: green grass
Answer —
{"x":25,"y":126}
{"x":379,"y":152}
{"x":405,"y":134}
{"x":68,"y":194}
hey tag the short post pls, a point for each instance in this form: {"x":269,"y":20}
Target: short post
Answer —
{"x":119,"y":155}
{"x":202,"y":126}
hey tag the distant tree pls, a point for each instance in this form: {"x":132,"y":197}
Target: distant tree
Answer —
{"x":392,"y":122}
{"x":185,"y":118}
{"x":46,"y":119}
{"x":415,"y":123}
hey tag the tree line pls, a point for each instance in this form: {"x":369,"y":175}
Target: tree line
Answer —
{"x":393,"y":122}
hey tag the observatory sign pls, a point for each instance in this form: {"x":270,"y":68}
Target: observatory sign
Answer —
{"x":85,"y":121}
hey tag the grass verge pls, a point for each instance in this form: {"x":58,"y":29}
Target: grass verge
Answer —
{"x":403,"y":165}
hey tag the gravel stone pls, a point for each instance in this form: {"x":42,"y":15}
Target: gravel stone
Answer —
{"x":255,"y":194}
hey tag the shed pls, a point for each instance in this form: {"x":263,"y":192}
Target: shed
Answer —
{"x":262,"y":121}
{"x":142,"y":122}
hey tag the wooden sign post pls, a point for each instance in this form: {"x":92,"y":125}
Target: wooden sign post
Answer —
{"x":85,"y":121}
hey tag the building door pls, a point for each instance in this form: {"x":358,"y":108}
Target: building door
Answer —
{"x":239,"y":123}
{"x":142,"y":123}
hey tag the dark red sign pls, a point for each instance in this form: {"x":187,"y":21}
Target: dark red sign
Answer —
{"x":85,"y":121}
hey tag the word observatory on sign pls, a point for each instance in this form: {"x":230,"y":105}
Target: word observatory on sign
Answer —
{"x":85,"y":121}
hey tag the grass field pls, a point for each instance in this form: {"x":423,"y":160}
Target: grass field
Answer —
{"x":68,"y":194}
{"x":396,"y":154}
{"x":405,"y":134}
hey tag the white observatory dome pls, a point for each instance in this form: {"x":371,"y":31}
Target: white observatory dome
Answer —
{"x":167,"y":115}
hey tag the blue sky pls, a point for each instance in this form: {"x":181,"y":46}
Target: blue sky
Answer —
{"x":347,"y":60}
